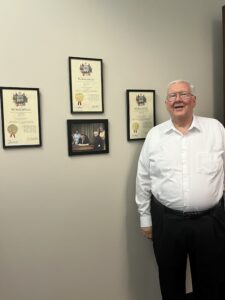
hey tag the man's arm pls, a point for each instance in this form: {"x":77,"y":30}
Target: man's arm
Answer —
{"x":143,"y":191}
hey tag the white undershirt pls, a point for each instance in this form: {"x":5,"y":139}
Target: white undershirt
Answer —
{"x":184,"y":172}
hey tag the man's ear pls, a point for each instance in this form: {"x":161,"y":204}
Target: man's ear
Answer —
{"x":194,"y":100}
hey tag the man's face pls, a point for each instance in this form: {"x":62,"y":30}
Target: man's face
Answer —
{"x":180,"y":102}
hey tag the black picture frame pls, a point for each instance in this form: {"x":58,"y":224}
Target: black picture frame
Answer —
{"x":20,"y":114}
{"x":140,"y":113}
{"x":87,"y":136}
{"x":86,"y":85}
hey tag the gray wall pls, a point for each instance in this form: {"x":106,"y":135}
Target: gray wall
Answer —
{"x":68,"y":225}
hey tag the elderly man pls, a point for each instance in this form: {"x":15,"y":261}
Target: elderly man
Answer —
{"x":179,"y":193}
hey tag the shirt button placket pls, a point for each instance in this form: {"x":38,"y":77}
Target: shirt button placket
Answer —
{"x":184,"y":160}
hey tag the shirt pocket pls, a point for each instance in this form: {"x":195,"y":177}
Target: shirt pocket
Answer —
{"x":208,"y":163}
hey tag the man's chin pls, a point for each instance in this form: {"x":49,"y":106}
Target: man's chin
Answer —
{"x":179,"y":112}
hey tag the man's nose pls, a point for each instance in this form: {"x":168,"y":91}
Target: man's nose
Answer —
{"x":177,"y":96}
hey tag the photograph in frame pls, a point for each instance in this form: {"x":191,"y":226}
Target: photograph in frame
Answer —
{"x":86,"y":85}
{"x":20,"y":112}
{"x":140,"y":113}
{"x":87,"y":136}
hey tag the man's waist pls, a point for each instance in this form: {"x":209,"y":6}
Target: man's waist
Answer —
{"x":190,"y":213}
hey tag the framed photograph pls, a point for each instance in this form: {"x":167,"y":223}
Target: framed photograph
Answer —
{"x":140,"y":113}
{"x":87,"y":136}
{"x":20,"y":111}
{"x":86,"y":85}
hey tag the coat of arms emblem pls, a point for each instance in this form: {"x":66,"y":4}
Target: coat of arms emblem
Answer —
{"x":85,"y":69}
{"x":141,"y":100}
{"x":20,"y":99}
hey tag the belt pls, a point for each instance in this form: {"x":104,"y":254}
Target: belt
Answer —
{"x":188,"y":214}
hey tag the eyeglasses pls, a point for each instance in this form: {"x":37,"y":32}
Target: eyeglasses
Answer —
{"x":182,"y":96}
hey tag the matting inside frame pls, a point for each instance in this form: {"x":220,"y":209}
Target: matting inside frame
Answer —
{"x":20,"y":117}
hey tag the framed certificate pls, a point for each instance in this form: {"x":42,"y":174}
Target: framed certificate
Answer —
{"x":86,"y":85}
{"x":87,"y":136}
{"x":140,"y":113}
{"x":20,"y":111}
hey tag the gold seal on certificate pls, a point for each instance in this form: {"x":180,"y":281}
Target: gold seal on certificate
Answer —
{"x":12,"y":130}
{"x":79,"y":99}
{"x":140,"y":113}
{"x":20,"y":117}
{"x":86,"y":85}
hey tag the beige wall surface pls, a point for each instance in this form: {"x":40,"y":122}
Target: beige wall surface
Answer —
{"x":69,"y":229}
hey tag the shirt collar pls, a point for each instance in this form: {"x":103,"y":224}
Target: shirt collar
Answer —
{"x":194,"y":125}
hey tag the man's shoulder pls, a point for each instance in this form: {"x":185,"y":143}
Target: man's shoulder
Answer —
{"x":156,"y":133}
{"x":209,"y":126}
{"x":160,"y":128}
{"x":205,"y":121}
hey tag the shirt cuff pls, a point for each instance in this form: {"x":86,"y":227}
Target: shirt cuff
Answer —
{"x":146,"y":221}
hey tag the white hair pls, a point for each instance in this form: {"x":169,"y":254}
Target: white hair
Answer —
{"x":181,"y":81}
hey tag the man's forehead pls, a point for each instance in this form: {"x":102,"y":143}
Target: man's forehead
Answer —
{"x":179,"y":86}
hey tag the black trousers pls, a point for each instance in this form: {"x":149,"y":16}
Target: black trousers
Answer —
{"x":203,"y":239}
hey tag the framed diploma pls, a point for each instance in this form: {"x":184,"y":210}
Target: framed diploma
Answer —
{"x":87,"y":136}
{"x":86,"y":85}
{"x":20,"y":111}
{"x":140,"y":113}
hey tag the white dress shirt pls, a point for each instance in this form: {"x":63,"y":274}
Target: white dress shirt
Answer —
{"x":183,"y":172}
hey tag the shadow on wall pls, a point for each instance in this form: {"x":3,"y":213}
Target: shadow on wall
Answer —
{"x":143,"y":275}
{"x":218,"y":71}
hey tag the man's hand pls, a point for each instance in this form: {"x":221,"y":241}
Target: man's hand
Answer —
{"x":147,"y":232}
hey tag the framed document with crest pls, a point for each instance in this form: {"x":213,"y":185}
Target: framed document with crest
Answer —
{"x":140,"y":113}
{"x":20,"y":112}
{"x":86,"y":85}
